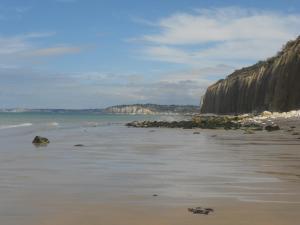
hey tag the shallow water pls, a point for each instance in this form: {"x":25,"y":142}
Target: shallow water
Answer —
{"x":128,"y":165}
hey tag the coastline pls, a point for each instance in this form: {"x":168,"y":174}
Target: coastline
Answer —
{"x":248,"y":122}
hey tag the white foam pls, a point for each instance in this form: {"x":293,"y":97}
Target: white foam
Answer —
{"x":53,"y":124}
{"x":15,"y":125}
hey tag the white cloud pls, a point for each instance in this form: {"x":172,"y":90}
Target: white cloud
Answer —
{"x":220,"y":35}
{"x":52,"y":51}
{"x":41,"y":89}
{"x":24,"y":48}
{"x":12,"y":45}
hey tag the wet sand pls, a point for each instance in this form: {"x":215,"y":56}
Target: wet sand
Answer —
{"x":227,"y":212}
{"x":246,"y":178}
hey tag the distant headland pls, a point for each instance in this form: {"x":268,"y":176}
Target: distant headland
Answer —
{"x":134,"y":109}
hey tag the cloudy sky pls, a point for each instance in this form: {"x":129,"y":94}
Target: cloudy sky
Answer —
{"x":96,"y":53}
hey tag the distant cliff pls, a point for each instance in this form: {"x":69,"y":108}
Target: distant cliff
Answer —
{"x":152,"y":109}
{"x":272,"y":85}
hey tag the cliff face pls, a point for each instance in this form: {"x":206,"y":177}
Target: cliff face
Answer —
{"x":272,"y":85}
{"x":129,"y":110}
{"x":152,"y":109}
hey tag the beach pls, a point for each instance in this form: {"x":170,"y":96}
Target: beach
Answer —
{"x":146,"y":176}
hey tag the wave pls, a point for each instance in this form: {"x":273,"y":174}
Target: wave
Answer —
{"x":15,"y":125}
{"x":53,"y":124}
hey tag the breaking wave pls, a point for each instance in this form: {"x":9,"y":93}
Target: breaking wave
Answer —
{"x":15,"y":125}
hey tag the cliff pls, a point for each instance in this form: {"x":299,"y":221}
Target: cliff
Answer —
{"x":152,"y":109}
{"x":272,"y":85}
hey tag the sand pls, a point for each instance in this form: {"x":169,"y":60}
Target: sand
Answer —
{"x":227,"y":212}
{"x":248,"y":179}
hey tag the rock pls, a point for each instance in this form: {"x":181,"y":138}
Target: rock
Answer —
{"x":200,"y":210}
{"x":155,"y":195}
{"x":196,"y":132}
{"x":253,"y":126}
{"x":295,"y":133}
{"x":292,"y":127}
{"x":79,"y":145}
{"x":40,"y":140}
{"x":272,"y":127}
{"x":249,"y":132}
{"x":266,"y":113}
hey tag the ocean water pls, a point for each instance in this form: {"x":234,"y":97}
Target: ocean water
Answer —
{"x":67,"y":120}
{"x":119,"y":164}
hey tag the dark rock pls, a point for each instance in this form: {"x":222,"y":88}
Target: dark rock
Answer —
{"x":155,"y":195}
{"x":40,"y":140}
{"x":271,"y":85}
{"x":292,"y":127}
{"x":79,"y":145}
{"x":196,"y":132}
{"x":200,"y":210}
{"x":273,"y":127}
{"x":253,"y":126}
{"x":295,"y":133}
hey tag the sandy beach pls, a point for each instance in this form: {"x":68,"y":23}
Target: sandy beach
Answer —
{"x":228,"y":212}
{"x":246,"y":178}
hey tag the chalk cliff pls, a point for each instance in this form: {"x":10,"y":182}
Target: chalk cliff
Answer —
{"x":272,"y":85}
{"x":152,"y":109}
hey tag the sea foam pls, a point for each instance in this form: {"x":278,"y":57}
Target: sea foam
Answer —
{"x":15,"y":125}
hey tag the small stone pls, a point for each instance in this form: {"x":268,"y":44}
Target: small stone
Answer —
{"x":40,"y":140}
{"x":272,"y":127}
{"x":155,"y":195}
{"x":266,"y":113}
{"x":196,"y":132}
{"x":249,"y":132}
{"x":79,"y":145}
{"x":295,"y":133}
{"x":200,"y":210}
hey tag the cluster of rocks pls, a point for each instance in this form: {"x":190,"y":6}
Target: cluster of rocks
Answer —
{"x":204,"y":122}
{"x":42,"y":141}
{"x":245,"y":122}
{"x":268,"y":117}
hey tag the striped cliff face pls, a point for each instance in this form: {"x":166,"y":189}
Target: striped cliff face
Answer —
{"x":272,"y":85}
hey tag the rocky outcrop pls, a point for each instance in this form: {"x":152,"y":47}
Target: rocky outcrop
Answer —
{"x":272,"y":85}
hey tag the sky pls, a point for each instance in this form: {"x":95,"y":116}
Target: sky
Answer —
{"x":97,"y":53}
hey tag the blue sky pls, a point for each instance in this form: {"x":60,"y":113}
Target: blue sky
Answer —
{"x":93,"y":53}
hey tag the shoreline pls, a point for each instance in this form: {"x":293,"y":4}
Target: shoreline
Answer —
{"x":265,"y":121}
